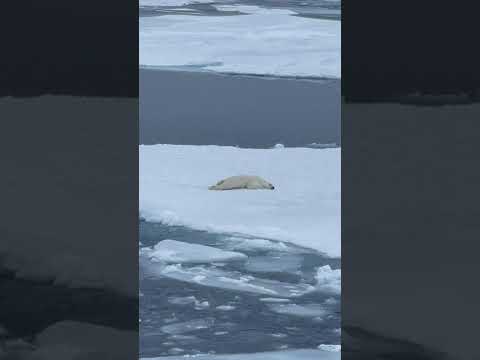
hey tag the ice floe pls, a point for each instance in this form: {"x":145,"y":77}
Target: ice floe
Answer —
{"x":175,"y":351}
{"x":246,"y":244}
{"x":327,"y":347}
{"x":328,"y":280}
{"x":305,"y":354}
{"x":172,"y":251}
{"x":187,"y":326}
{"x":189,"y":300}
{"x":264,"y":42}
{"x":275,"y":300}
{"x":220,"y":333}
{"x":312,"y":310}
{"x":304,"y":209}
{"x":229,"y":280}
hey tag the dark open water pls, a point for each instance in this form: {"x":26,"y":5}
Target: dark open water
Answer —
{"x":206,"y":108}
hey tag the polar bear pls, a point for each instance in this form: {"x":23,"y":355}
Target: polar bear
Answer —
{"x":242,"y":182}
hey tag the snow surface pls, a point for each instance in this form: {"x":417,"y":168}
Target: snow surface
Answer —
{"x":263,"y":42}
{"x":274,"y":355}
{"x":304,"y":208}
{"x":172,"y":251}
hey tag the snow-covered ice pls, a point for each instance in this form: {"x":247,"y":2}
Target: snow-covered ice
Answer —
{"x":328,"y":280}
{"x":263,"y":42}
{"x":304,"y":208}
{"x":172,"y":251}
{"x":306,"y":354}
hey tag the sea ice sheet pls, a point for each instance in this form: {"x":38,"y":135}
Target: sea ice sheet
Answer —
{"x":263,"y":42}
{"x":304,"y":208}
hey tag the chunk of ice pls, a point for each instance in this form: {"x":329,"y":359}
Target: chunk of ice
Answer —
{"x":335,"y":348}
{"x":275,"y":300}
{"x":328,"y":280}
{"x":230,"y":280}
{"x":246,"y":244}
{"x":172,"y":251}
{"x":187,"y":326}
{"x":187,"y":300}
{"x":312,"y":310}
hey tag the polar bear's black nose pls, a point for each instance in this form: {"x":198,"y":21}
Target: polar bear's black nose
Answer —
{"x":273,"y":187}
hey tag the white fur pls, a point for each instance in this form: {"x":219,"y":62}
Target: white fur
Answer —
{"x":242,"y":182}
